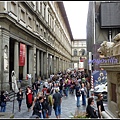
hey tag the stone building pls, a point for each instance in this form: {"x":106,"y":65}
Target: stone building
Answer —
{"x":35,"y":38}
{"x":102,"y":25}
{"x":78,"y":50}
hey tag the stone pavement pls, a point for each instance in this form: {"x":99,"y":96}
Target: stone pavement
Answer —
{"x":68,"y":107}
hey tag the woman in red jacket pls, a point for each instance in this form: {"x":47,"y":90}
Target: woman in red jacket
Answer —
{"x":29,"y":97}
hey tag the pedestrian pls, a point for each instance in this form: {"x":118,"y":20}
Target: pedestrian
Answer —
{"x":35,"y":88}
{"x":3,"y":101}
{"x":36,"y":98}
{"x":44,"y":90}
{"x":29,"y":98}
{"x":90,"y":111}
{"x":84,"y":94}
{"x":56,"y":86}
{"x":61,"y":86}
{"x":37,"y":109}
{"x":72,"y":87}
{"x":100,"y":105}
{"x":20,"y":98}
{"x":87,"y":86}
{"x":44,"y":107}
{"x":50,"y":102}
{"x":57,"y":100}
{"x":39,"y":82}
{"x":78,"y":93}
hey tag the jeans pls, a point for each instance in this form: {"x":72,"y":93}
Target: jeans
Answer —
{"x":83,"y":99}
{"x":88,"y":93}
{"x":3,"y":109}
{"x":19,"y":103}
{"x":44,"y":113}
{"x":78,"y":101}
{"x":61,"y":92}
{"x":35,"y":92}
{"x":58,"y":110}
{"x":66,"y":91}
{"x":49,"y":110}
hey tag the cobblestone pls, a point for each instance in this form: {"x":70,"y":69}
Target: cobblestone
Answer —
{"x":68,"y":107}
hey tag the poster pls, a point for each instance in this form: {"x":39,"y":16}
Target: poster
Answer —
{"x":22,"y":55}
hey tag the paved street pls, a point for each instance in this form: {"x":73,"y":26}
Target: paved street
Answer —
{"x":68,"y":107}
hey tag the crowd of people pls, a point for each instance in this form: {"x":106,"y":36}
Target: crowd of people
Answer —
{"x":43,"y":100}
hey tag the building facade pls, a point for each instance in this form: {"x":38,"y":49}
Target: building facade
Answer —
{"x":35,"y":38}
{"x":98,"y":30}
{"x":102,"y":25}
{"x":78,"y":52}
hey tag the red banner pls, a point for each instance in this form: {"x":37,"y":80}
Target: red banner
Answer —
{"x":22,"y":55}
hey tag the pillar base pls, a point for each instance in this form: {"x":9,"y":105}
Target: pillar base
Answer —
{"x":5,"y":86}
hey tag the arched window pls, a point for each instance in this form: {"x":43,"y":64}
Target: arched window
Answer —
{"x":75,"y":52}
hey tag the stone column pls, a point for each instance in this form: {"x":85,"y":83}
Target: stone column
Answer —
{"x":38,"y":62}
{"x":49,"y":64}
{"x":57,"y":64}
{"x":62,"y":66}
{"x":45,"y":62}
{"x":42,"y":64}
{"x":52,"y":65}
{"x":25,"y":66}
{"x":16,"y":60}
{"x":4,"y":56}
{"x":34,"y":63}
{"x":31,"y":63}
{"x":54,"y":59}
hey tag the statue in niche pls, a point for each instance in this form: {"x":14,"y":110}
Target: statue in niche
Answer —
{"x":6,"y":58}
{"x":14,"y":82}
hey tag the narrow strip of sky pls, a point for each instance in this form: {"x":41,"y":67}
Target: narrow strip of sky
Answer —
{"x":77,"y":16}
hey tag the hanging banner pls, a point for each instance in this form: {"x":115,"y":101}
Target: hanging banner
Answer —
{"x":22,"y":55}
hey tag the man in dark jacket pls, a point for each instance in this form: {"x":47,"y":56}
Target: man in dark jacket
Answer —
{"x":37,"y":109}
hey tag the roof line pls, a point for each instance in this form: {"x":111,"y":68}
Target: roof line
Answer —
{"x":64,"y":15}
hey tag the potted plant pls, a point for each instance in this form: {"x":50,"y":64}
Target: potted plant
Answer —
{"x":79,"y":114}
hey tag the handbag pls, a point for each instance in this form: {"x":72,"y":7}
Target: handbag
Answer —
{"x":3,"y":104}
{"x":78,"y":94}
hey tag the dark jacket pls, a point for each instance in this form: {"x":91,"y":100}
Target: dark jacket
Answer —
{"x":91,"y":113}
{"x":37,"y":107}
{"x":3,"y":98}
{"x":19,"y":96}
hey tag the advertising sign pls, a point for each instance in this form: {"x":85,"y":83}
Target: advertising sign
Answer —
{"x":22,"y":55}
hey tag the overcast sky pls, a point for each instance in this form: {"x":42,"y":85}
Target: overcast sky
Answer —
{"x":77,"y":16}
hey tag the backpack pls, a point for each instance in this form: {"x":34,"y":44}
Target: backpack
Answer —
{"x":48,"y":100}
